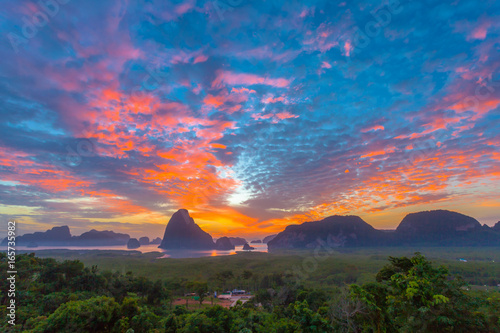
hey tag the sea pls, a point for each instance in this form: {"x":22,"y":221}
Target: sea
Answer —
{"x":146,"y":249}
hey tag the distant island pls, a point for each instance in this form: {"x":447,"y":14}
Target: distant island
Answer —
{"x":237,"y":241}
{"x":61,"y":236}
{"x":224,"y":244}
{"x":428,"y":228}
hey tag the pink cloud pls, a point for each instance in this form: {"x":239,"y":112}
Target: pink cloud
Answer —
{"x":234,"y":79}
{"x":348,"y":48}
{"x":323,"y":38}
{"x":243,"y":91}
{"x":476,"y":30}
{"x":200,"y":58}
{"x":183,"y":8}
{"x":271,"y":99}
{"x":258,"y":116}
{"x":285,"y":115}
{"x":275,"y":117}
{"x":479,"y":33}
{"x":324,"y":64}
{"x":373,"y":128}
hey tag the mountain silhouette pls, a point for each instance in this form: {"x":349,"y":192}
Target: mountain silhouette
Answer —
{"x":237,"y":241}
{"x":156,"y":241}
{"x":444,"y":228}
{"x":334,"y":231}
{"x":428,"y":228}
{"x":100,"y":238}
{"x":133,"y":243}
{"x":224,"y":244}
{"x":183,"y":233}
{"x":61,"y":236}
{"x":57,"y":236}
{"x":144,"y":240}
{"x":436,"y":224}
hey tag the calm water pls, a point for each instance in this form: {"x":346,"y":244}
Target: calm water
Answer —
{"x":148,"y":248}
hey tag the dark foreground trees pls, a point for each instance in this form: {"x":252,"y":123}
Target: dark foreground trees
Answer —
{"x":408,"y":295}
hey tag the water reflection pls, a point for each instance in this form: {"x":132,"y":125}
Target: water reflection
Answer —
{"x":208,"y":253}
{"x":151,"y":248}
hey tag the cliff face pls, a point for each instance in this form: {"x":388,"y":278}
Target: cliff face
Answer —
{"x":334,"y":231}
{"x":183,"y":233}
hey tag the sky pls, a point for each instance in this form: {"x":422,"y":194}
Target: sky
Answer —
{"x":253,"y":115}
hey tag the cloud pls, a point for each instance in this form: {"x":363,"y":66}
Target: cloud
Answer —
{"x":243,"y":79}
{"x":270,"y":105}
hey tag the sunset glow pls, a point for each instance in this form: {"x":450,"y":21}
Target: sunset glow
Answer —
{"x":115,"y":114}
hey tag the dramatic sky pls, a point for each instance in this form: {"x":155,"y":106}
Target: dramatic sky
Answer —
{"x":250,"y":114}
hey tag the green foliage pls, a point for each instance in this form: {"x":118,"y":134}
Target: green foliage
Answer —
{"x":308,"y":320}
{"x":413,"y":296}
{"x":97,"y":314}
{"x":407,"y":295}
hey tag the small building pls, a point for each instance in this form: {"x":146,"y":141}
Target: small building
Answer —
{"x":224,"y":295}
{"x":238,"y":292}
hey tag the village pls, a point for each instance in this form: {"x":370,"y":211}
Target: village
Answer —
{"x":227,"y":299}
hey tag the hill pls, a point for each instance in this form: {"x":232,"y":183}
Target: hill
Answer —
{"x":100,"y":238}
{"x":237,"y":241}
{"x":334,"y":231}
{"x":61,"y":236}
{"x":428,"y":228}
{"x":444,"y":228}
{"x":224,"y":244}
{"x":57,"y":236}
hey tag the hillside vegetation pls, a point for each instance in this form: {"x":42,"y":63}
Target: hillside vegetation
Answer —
{"x":360,"y":291}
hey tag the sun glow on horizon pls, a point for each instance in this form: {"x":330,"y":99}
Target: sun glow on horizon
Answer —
{"x":122,"y":113}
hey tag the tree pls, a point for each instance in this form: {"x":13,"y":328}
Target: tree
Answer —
{"x":413,"y":296}
{"x":97,"y":314}
{"x":345,"y":311}
{"x":200,"y":288}
{"x":224,"y":276}
{"x":156,"y":293}
{"x":308,"y":320}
